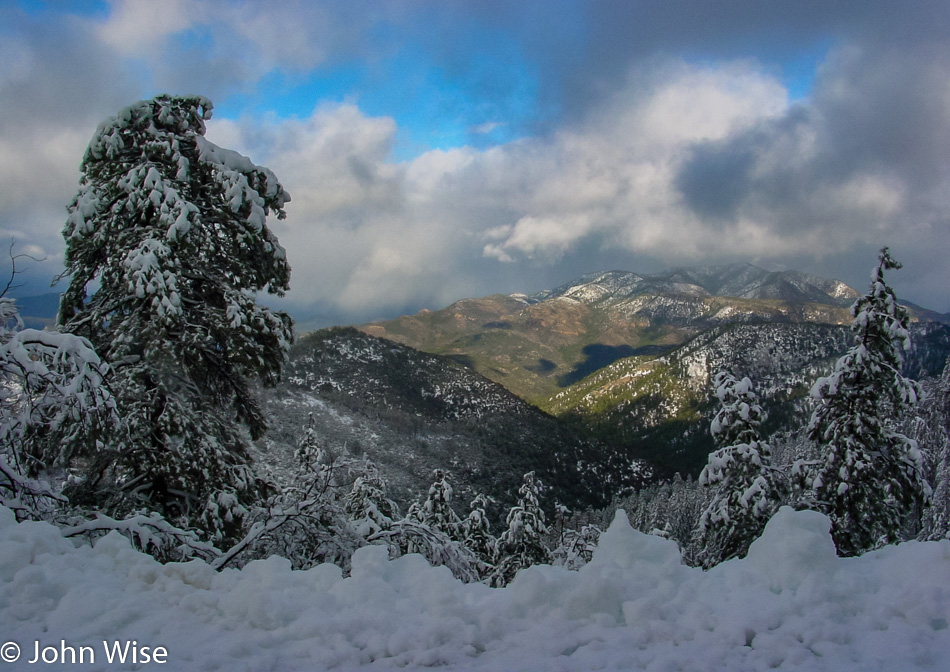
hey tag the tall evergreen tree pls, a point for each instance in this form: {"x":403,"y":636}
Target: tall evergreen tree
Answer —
{"x":869,"y":477}
{"x":166,"y":250}
{"x":747,"y":492}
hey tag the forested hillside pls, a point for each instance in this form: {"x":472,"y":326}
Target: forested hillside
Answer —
{"x":661,"y":406}
{"x":412,"y":413}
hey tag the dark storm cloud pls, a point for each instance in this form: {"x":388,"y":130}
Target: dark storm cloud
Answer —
{"x":716,"y":179}
{"x":881,"y":115}
{"x":887,"y":106}
{"x":586,"y":50}
{"x":55,"y":71}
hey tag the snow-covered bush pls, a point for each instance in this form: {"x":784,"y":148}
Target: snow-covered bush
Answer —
{"x":305,"y":520}
{"x":55,"y":412}
{"x":577,"y":547}
{"x":411,"y":536}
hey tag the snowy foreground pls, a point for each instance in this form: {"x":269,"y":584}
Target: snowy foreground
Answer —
{"x":790,"y":605}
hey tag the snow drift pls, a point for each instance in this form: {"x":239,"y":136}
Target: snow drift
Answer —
{"x":791,"y":604}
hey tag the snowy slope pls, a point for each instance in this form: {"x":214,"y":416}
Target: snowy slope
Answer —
{"x":791,"y":605}
{"x":412,"y":412}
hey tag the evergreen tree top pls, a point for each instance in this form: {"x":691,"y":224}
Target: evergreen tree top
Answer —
{"x":740,"y":416}
{"x":161,"y":116}
{"x":869,"y":374}
{"x":870,"y":475}
{"x":877,"y":315}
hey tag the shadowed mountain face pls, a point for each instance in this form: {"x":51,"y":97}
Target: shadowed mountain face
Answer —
{"x":661,"y":407}
{"x":597,"y":357}
{"x":539,"y":344}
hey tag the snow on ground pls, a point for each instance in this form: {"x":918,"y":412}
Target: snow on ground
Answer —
{"x":790,"y":605}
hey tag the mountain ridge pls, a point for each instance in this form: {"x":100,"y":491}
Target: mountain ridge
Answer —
{"x":741,"y":281}
{"x":537,"y":344}
{"x":596,"y":384}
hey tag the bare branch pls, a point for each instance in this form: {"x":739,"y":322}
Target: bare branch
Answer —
{"x":13,"y":267}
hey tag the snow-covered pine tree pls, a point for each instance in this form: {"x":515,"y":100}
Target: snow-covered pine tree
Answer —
{"x":310,"y":455}
{"x":522,"y":544}
{"x":366,"y":505}
{"x":747,"y":491}
{"x":477,"y":536}
{"x":437,"y":511}
{"x":869,"y":477}
{"x":936,"y":519}
{"x":166,"y":249}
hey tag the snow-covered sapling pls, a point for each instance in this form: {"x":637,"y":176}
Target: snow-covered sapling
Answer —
{"x":522,"y":544}
{"x":55,"y":407}
{"x":437,"y":511}
{"x":477,"y":536}
{"x":747,"y":491}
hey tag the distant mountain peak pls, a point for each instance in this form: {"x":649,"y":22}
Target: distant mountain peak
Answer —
{"x":742,"y":280}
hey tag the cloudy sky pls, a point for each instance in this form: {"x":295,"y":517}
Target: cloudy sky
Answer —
{"x":440,"y":149}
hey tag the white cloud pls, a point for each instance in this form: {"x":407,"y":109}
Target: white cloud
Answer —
{"x":675,"y":162}
{"x":136,"y":27}
{"x":38,"y":177}
{"x":291,"y":34}
{"x":40,"y":163}
{"x":338,"y":156}
{"x":614,"y":175}
{"x":681,"y":103}
{"x":547,"y":237}
{"x":364,"y":234}
{"x":487,"y":127}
